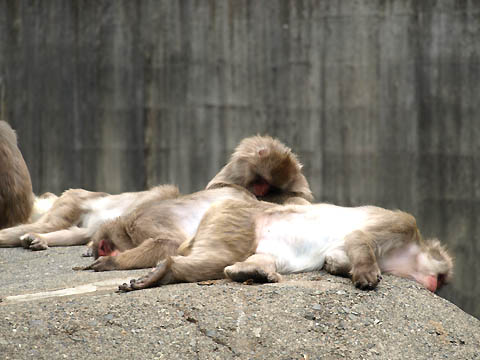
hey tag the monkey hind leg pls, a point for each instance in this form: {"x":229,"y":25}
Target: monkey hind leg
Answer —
{"x":198,"y":266}
{"x":260,"y":268}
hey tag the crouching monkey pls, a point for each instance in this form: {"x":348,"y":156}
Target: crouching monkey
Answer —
{"x":18,"y":204}
{"x":260,"y":166}
{"x":260,"y":241}
{"x":16,"y":196}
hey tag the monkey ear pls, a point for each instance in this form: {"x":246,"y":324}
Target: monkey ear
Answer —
{"x":262,"y":152}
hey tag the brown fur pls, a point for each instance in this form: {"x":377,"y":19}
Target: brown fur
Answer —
{"x":16,"y":196}
{"x":227,"y":238}
{"x":152,"y":232}
{"x":66,"y":222}
{"x":264,"y":158}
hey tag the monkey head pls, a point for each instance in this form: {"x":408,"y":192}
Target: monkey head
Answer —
{"x":102,"y":244}
{"x":434,"y":265}
{"x":428,"y":263}
{"x":267,"y":168}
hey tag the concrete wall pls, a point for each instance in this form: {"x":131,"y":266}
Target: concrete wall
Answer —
{"x":380,"y":99}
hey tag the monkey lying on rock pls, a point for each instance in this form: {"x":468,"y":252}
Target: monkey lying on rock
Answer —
{"x":262,"y":165}
{"x":256,"y":240}
{"x":77,"y":215}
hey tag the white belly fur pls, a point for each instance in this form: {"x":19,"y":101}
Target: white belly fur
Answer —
{"x":299,"y":240}
{"x":100,"y":210}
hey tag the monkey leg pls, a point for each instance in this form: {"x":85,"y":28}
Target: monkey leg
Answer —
{"x":146,"y":255}
{"x":64,"y":213}
{"x":337,"y":263}
{"x":195,"y":267}
{"x":225,"y":236}
{"x":359,"y":246}
{"x":260,"y":268}
{"x":69,"y":237}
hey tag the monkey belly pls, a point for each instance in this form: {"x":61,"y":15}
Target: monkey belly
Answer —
{"x":301,"y":239}
{"x":296,"y":249}
{"x":294,"y":257}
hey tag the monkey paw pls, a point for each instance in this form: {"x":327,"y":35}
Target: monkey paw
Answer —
{"x":33,"y":242}
{"x":104,"y":263}
{"x":143,"y":282}
{"x":366,"y":278}
{"x":334,"y":266}
{"x":251,"y":273}
{"x":158,"y":276}
{"x":135,"y":284}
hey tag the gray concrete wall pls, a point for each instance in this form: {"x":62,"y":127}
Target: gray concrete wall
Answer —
{"x":380,"y":99}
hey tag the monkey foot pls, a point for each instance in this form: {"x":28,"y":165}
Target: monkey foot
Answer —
{"x":33,"y":242}
{"x":135,"y":284}
{"x":366,"y":280}
{"x":255,"y":274}
{"x":158,"y":276}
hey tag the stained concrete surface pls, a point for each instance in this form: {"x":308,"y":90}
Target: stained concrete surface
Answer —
{"x":307,"y":316}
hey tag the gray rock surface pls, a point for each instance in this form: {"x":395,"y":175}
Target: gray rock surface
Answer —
{"x":307,"y":316}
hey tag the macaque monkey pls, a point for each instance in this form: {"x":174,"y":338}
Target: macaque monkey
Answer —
{"x":76,"y":215}
{"x":260,"y":241}
{"x":154,"y":230}
{"x":16,"y":196}
{"x":263,"y":166}
{"x":268,"y":169}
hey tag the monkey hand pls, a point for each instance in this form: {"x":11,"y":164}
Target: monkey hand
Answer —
{"x":103,"y":263}
{"x":366,"y":277}
{"x":33,"y":242}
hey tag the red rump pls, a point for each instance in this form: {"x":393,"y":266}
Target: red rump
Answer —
{"x":104,"y":248}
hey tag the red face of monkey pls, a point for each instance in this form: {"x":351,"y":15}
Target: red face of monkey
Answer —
{"x":427,"y":266}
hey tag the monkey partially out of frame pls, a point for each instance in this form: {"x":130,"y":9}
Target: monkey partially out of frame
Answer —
{"x":16,"y":196}
{"x":262,"y":165}
{"x":259,"y":241}
{"x":77,"y":215}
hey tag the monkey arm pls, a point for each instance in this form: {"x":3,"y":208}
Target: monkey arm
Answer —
{"x":146,"y":255}
{"x":360,"y":249}
{"x":68,"y":237}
